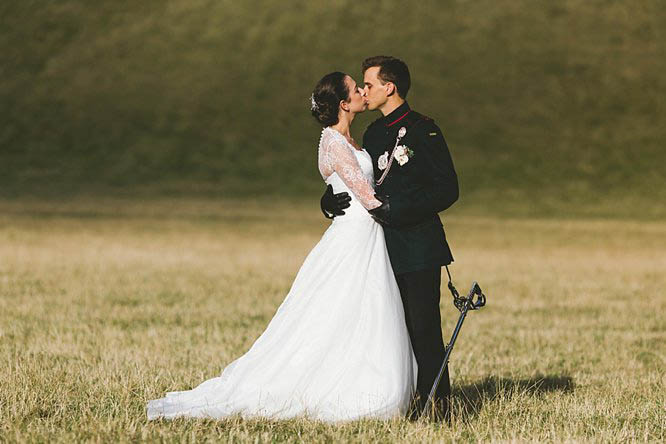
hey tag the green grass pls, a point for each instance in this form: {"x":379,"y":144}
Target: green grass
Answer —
{"x":106,"y":303}
{"x":548,"y":107}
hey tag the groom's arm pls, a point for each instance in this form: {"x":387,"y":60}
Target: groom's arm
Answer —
{"x":439,"y":188}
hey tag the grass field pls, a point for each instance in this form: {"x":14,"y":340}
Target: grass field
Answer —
{"x":105,"y":304}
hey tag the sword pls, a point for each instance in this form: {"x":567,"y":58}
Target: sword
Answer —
{"x":463,"y":305}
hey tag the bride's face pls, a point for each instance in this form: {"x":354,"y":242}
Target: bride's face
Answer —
{"x":357,"y":101}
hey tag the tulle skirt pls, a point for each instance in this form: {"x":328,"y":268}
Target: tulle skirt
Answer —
{"x":337,"y":348}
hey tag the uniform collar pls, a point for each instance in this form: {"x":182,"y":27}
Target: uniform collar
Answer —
{"x":397,"y":115}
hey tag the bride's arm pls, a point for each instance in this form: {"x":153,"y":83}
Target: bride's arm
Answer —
{"x":341,"y":159}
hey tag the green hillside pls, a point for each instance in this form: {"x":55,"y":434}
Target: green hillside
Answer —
{"x":548,"y":106}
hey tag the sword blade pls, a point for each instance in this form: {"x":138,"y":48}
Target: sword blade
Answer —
{"x":449,"y":349}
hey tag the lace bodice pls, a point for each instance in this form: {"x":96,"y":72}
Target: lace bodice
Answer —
{"x":337,"y":156}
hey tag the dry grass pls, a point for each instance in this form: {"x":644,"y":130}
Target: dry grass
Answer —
{"x":105,"y":304}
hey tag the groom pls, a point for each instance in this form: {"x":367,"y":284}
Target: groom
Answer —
{"x":418,"y":183}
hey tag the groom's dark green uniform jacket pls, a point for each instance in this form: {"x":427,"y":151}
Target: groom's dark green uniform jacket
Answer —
{"x":418,"y":190}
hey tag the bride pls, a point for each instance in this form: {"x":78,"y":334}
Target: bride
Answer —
{"x":337,"y":348}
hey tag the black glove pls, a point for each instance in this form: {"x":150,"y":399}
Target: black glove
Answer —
{"x":333,"y":204}
{"x":382,"y":213}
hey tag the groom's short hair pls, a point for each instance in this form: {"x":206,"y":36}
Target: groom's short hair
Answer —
{"x":391,"y":70}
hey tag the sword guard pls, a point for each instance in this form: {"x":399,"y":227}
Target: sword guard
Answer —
{"x":480,"y":300}
{"x":475,"y":298}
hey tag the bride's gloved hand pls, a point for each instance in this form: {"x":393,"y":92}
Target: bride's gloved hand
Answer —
{"x":382,"y":214}
{"x":333,"y":204}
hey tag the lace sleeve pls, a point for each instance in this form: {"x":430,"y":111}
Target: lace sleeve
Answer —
{"x":336,"y":156}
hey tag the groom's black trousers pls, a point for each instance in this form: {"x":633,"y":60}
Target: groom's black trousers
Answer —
{"x":420,"y":298}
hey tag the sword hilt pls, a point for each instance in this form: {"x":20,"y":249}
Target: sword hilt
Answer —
{"x":475,"y":298}
{"x":480,"y":300}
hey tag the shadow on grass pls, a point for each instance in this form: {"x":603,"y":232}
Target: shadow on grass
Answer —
{"x":470,"y":398}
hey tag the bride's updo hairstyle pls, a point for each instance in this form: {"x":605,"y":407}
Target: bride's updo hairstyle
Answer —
{"x":328,"y":93}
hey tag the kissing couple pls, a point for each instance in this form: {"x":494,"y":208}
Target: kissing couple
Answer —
{"x":358,"y":335}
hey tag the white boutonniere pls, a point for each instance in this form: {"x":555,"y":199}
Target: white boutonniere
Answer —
{"x":402,"y":154}
{"x":382,"y":162}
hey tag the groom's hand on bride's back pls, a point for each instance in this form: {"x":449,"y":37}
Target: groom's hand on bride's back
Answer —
{"x":333,"y":204}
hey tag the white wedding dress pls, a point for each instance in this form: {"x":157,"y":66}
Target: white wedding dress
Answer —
{"x":337,"y":348}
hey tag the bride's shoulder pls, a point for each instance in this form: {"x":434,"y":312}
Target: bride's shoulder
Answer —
{"x":331,"y":132}
{"x":329,"y":135}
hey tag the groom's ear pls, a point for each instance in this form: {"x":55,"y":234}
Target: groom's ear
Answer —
{"x":390,"y":89}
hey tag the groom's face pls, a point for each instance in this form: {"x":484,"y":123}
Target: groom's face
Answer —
{"x":375,"y":90}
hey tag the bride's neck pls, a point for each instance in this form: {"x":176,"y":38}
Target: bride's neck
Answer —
{"x":344,"y":124}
